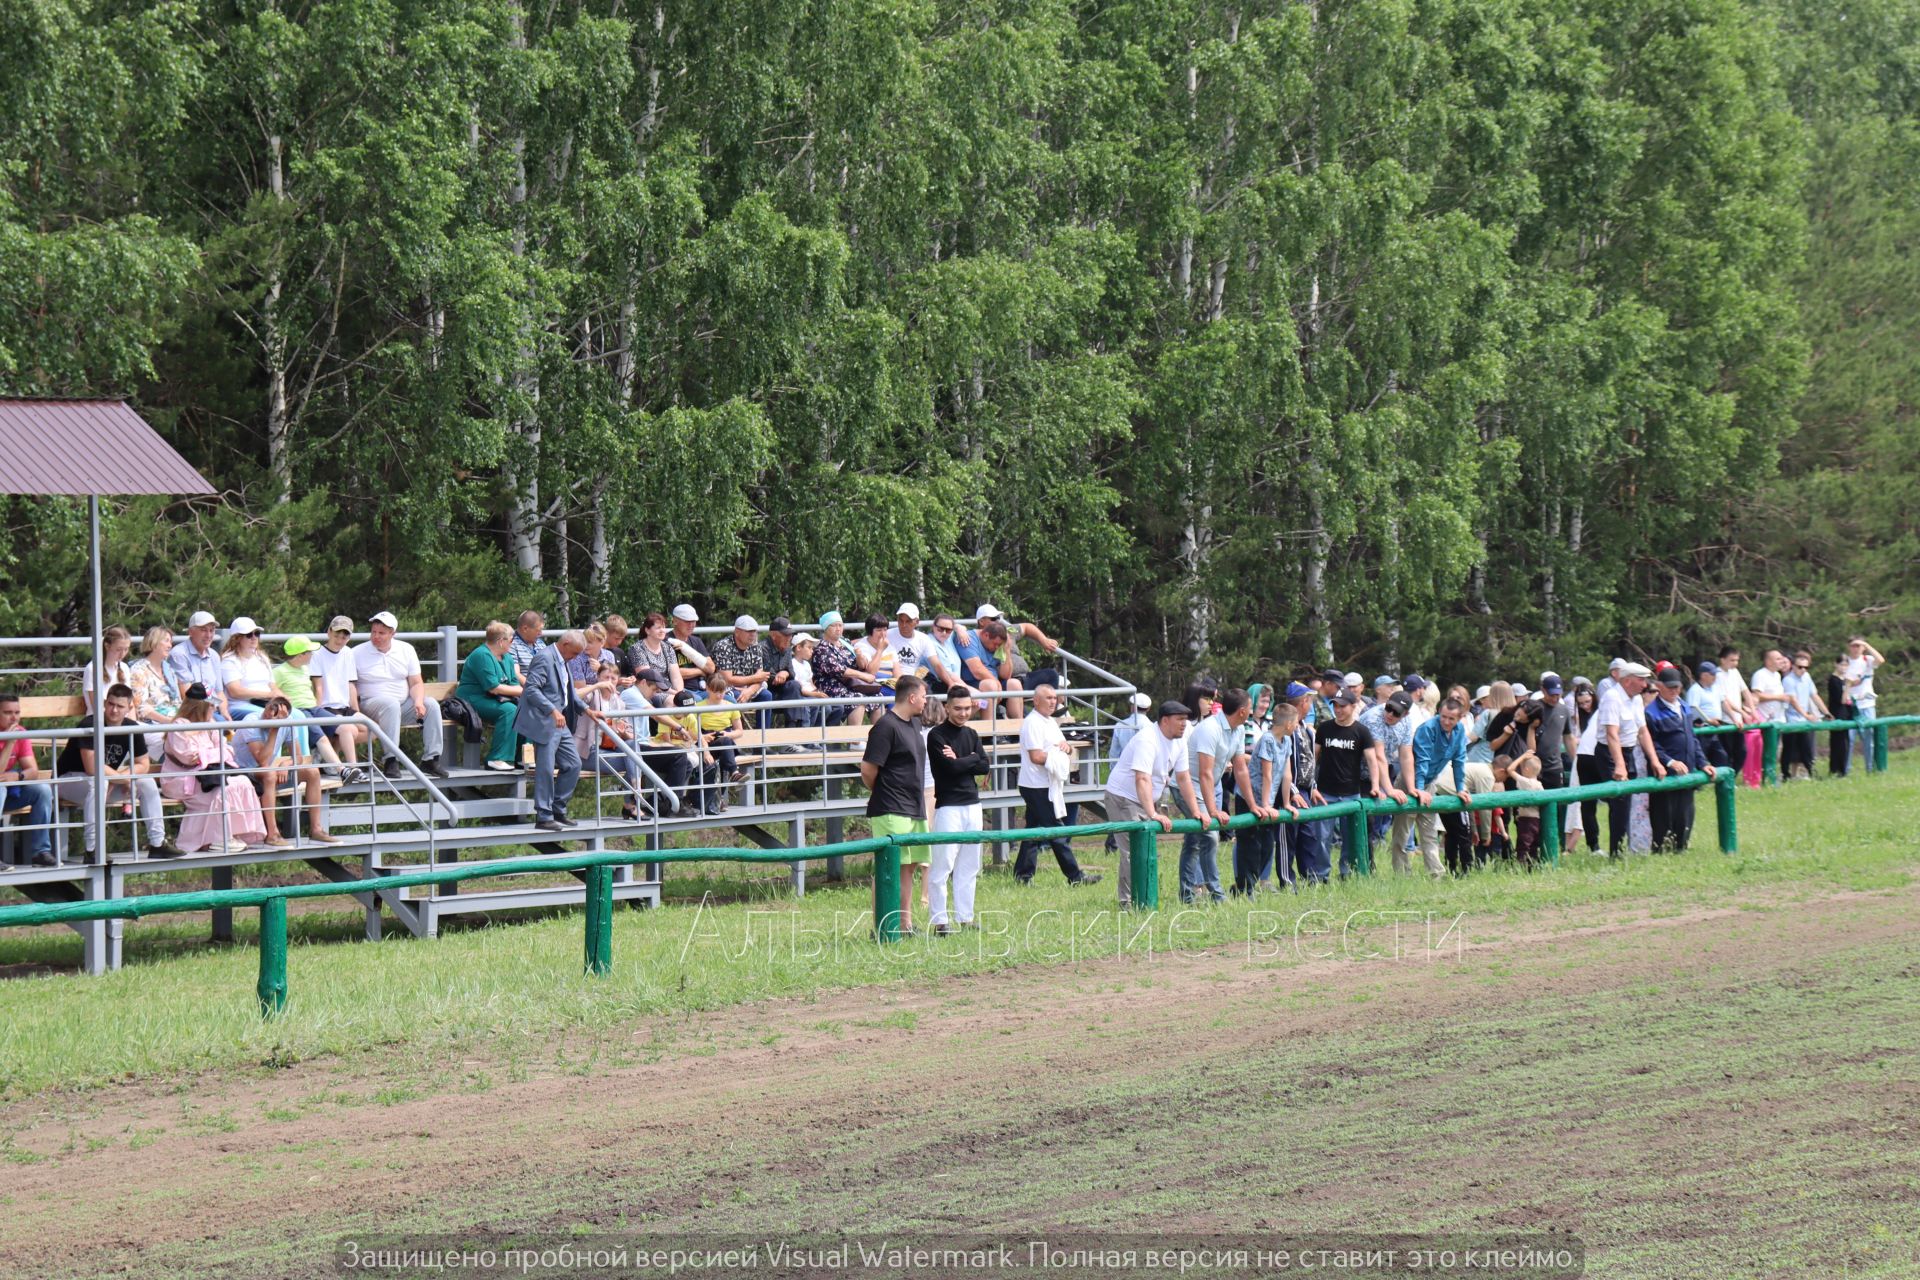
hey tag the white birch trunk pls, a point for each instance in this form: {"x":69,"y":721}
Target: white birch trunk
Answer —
{"x":523,"y":462}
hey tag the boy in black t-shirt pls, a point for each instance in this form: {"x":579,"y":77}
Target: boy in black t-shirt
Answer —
{"x":1341,"y":750}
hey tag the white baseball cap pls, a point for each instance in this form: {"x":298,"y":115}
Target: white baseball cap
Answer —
{"x":988,"y":611}
{"x":908,"y":608}
{"x":1519,"y":690}
{"x":202,"y":619}
{"x":243,"y":626}
{"x":685,"y":613}
{"x":385,"y":619}
{"x":745,"y":622}
{"x":1480,"y":694}
{"x":1143,"y":702}
{"x":1353,"y":680}
{"x":1616,"y":664}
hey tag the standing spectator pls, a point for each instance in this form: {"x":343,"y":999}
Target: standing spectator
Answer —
{"x":747,"y":660}
{"x":1709,"y":708}
{"x":1670,"y":725}
{"x":1524,"y":775}
{"x":1391,"y":724}
{"x":958,"y":761}
{"x":336,"y":686}
{"x":1331,"y":681}
{"x":653,"y":651}
{"x":1611,"y":680}
{"x":126,"y":769}
{"x":1803,"y":707}
{"x":1863,"y":663}
{"x":1840,"y":706}
{"x":200,"y":771}
{"x":1140,"y":775}
{"x":549,"y":710}
{"x":1308,"y":844}
{"x":833,"y":659}
{"x":264,"y":744}
{"x":115,"y":644}
{"x":529,"y":639}
{"x":1738,"y":700}
{"x":1215,"y":748}
{"x":1618,"y":726}
{"x":1440,"y":768}
{"x":894,"y":767}
{"x":1267,"y":769}
{"x":1124,"y":731}
{"x":1554,"y":736}
{"x":1769,"y":690}
{"x":1046,"y":759}
{"x":20,"y":772}
{"x":1588,"y":766}
{"x":490,"y":684}
{"x":198,"y":662}
{"x":387,"y":675}
{"x":696,"y":664}
{"x":1496,"y":708}
{"x":1343,"y":749}
{"x":245,"y":673}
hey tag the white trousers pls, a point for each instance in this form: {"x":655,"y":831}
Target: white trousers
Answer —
{"x":957,"y":862}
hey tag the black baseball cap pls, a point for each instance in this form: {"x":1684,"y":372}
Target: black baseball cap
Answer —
{"x":1345,"y":698}
{"x":780,"y":625}
{"x":1331,"y":674}
{"x":1399,"y":704}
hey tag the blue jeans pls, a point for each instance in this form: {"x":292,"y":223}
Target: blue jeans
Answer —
{"x":551,"y":795}
{"x":806,"y":717}
{"x":38,"y":799}
{"x":1200,"y":863}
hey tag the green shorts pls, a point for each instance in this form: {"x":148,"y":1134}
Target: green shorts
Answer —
{"x":892,"y":824}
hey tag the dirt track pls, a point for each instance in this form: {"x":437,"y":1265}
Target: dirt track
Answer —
{"x":1074,"y":1096}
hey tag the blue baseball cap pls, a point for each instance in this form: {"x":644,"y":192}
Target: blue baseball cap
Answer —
{"x":1706,"y":669}
{"x":1296,"y":690}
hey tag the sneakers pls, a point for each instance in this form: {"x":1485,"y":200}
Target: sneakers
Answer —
{"x":1088,"y":877}
{"x":353,"y":775}
{"x":738,"y":775}
{"x":564,"y":821}
{"x":437,"y":766}
{"x":165,"y":849}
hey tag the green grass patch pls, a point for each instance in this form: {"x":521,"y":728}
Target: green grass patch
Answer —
{"x":510,"y":989}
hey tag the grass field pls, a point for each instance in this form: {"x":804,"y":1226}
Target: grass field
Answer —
{"x":1697,"y":1066}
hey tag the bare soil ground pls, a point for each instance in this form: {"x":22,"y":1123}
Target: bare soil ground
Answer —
{"x":1723,"y":1093}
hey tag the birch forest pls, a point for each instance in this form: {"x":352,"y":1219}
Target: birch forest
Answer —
{"x":1213,"y":333}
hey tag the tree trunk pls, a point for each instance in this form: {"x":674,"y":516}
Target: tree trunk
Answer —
{"x":273,"y":338}
{"x":1319,"y":547}
{"x":523,"y":423}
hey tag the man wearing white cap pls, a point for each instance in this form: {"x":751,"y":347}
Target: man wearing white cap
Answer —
{"x":1619,"y":722}
{"x":1609,"y":681}
{"x":747,"y":659}
{"x":905,"y":639}
{"x":696,"y":664}
{"x":1124,"y":731}
{"x":392,"y":694}
{"x":198,"y":662}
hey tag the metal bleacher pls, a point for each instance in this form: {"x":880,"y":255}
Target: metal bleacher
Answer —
{"x":802,"y":785}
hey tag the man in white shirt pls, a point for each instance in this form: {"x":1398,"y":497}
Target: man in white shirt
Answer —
{"x":1216,"y":746}
{"x":334,"y":694}
{"x":1041,"y":742}
{"x":1150,"y":758}
{"x":1618,"y":723}
{"x":392,"y":694}
{"x":1769,"y":693}
{"x":1862,"y":661}
{"x":905,"y":639}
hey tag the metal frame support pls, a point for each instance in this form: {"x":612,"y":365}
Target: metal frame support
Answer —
{"x":272,"y":987}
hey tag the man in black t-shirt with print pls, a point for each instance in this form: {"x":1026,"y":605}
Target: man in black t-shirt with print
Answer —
{"x":894,"y":767}
{"x":1340,"y":752}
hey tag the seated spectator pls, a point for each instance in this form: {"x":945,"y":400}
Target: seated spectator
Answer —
{"x":874,"y":654}
{"x":585,"y":667}
{"x":274,"y":750}
{"x":20,"y":772}
{"x":393,"y":695}
{"x":115,"y":644}
{"x":245,"y":673}
{"x":490,"y":684}
{"x":716,"y":727}
{"x":601,"y":738}
{"x":780,"y":684}
{"x":747,"y":660}
{"x":336,"y":684}
{"x":197,"y":661}
{"x":126,"y":769}
{"x":529,"y":633}
{"x":834,"y":665}
{"x":617,"y":632}
{"x":156,"y":692}
{"x":654,"y":652}
{"x":803,"y":684}
{"x":295,"y":682}
{"x":941,"y":655}
{"x":671,"y":748}
{"x":199,"y":770}
{"x":907,"y":641}
{"x":696,"y":664}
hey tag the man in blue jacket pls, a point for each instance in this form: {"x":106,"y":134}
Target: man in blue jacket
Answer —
{"x":548,"y":712}
{"x":1440,"y":768}
{"x":1671,"y":722}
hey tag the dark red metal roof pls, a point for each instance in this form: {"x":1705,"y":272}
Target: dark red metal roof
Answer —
{"x":81,"y":447}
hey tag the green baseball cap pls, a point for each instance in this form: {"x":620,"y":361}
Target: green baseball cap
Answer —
{"x":297,"y":645}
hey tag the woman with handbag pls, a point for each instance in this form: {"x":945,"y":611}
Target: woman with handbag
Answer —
{"x":223,"y":811}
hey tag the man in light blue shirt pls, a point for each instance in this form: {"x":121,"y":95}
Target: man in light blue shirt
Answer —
{"x":1215,"y":746}
{"x":1440,"y":768}
{"x":196,"y":661}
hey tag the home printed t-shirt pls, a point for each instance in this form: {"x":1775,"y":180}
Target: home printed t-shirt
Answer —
{"x":1343,"y":757}
{"x":895,"y":746}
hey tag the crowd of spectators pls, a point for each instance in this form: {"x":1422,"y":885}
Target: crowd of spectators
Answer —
{"x":657,"y":707}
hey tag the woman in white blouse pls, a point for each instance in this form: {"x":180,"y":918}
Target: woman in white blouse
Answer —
{"x":244,"y":670}
{"x":115,"y":643}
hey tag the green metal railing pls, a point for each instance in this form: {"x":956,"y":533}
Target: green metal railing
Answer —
{"x":1770,"y":731}
{"x":1142,"y":854}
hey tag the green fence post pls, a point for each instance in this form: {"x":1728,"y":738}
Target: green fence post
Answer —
{"x":886,"y":893}
{"x":272,"y":988}
{"x":1143,"y":867}
{"x":599,"y":921}
{"x":1724,"y":791}
{"x":1359,"y":848}
{"x":1880,"y":745}
{"x":1550,"y":832}
{"x":1770,"y":753}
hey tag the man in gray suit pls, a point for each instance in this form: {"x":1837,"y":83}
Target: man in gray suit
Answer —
{"x":548,"y":711}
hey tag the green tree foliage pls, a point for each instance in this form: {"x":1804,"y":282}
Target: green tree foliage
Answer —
{"x":1405,"y":332}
